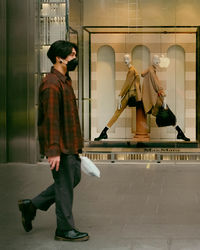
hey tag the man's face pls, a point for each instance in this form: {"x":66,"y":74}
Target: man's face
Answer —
{"x":71,"y":56}
{"x":70,"y":61}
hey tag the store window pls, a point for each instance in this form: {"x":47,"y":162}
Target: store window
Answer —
{"x":107,"y":31}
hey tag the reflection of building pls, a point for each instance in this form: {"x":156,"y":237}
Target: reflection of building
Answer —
{"x":27,"y":30}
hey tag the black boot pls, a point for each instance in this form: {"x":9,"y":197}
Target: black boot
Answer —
{"x":181,"y":135}
{"x":28,"y":211}
{"x":103,"y":135}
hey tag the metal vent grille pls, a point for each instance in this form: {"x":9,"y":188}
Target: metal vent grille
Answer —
{"x":145,"y":157}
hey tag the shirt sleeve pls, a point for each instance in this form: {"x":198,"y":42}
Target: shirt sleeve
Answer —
{"x":51,"y":107}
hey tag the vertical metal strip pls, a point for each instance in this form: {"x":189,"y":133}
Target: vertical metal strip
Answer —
{"x":82,"y":83}
{"x":90,"y":86}
{"x":3,"y":82}
{"x":67,"y":20}
{"x":198,"y":84}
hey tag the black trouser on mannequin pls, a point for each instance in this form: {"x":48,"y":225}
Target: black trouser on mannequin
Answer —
{"x":61,"y":192}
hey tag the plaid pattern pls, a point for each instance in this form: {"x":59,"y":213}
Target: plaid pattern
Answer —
{"x":58,"y":121}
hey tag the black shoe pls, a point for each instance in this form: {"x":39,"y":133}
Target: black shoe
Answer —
{"x":71,"y":235}
{"x":181,"y":135}
{"x":28,"y":211}
{"x":103,"y":135}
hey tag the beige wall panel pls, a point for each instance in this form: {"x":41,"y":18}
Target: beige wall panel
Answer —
{"x":190,"y":104}
{"x":75,"y":14}
{"x":190,"y":85}
{"x":190,"y":66}
{"x":94,"y":104}
{"x":93,"y":66}
{"x":123,"y":121}
{"x":121,"y":66}
{"x":187,"y":12}
{"x":189,"y":47}
{"x":119,"y":84}
{"x":189,"y":122}
{"x":94,"y":85}
{"x":118,"y":47}
{"x":151,"y":12}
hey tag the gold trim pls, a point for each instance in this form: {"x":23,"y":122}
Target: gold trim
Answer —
{"x":128,"y":157}
{"x":142,"y":150}
{"x":142,"y":154}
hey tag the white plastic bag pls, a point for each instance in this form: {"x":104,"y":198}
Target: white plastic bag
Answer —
{"x":88,"y":167}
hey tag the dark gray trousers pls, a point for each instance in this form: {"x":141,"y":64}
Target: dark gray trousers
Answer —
{"x":61,"y":192}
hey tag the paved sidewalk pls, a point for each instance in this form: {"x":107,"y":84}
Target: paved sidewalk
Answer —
{"x":131,"y":207}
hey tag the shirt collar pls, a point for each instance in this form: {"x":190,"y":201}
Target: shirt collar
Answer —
{"x":58,"y":74}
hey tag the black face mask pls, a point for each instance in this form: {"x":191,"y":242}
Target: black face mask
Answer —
{"x":72,"y":64}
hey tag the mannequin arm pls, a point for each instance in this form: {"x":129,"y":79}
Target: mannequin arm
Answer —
{"x":119,"y":104}
{"x":164,"y":103}
{"x":124,"y":89}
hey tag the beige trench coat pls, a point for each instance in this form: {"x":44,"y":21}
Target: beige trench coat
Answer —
{"x":132,"y":83}
{"x":152,"y":91}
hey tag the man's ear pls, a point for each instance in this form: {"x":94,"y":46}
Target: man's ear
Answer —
{"x":58,"y":59}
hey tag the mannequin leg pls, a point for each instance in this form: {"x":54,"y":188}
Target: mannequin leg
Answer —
{"x":103,"y":135}
{"x":116,"y":115}
{"x":180,"y":134}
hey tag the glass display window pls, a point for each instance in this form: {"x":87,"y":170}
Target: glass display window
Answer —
{"x":176,"y":49}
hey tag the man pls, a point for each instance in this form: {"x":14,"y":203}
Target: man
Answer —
{"x":61,"y":141}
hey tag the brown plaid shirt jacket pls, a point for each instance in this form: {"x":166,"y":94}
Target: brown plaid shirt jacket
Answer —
{"x":58,"y":121}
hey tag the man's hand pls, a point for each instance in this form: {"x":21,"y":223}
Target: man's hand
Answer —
{"x":54,"y":162}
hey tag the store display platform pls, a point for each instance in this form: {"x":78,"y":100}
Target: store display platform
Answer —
{"x":142,"y":151}
{"x":152,"y":144}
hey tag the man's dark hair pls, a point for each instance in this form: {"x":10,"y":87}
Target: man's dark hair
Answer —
{"x":62,"y":49}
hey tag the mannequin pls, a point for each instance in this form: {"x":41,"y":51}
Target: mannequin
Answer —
{"x":153,"y":95}
{"x":152,"y":91}
{"x":132,"y":83}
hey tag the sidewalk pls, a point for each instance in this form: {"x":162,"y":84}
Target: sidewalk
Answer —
{"x":131,"y":207}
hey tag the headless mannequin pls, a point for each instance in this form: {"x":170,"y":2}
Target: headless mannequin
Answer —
{"x":132,"y":79}
{"x":156,"y":94}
